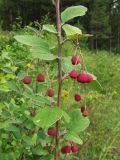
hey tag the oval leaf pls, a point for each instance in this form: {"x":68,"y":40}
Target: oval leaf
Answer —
{"x":71,"y":31}
{"x":73,"y":137}
{"x":50,"y":28}
{"x":47,"y":117}
{"x":7,"y":70}
{"x":72,"y":12}
{"x":77,"y":123}
{"x":38,"y":54}
{"x":34,"y":41}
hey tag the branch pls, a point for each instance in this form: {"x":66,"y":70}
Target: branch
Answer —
{"x":53,"y":2}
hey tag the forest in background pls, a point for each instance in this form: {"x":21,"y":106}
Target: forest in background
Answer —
{"x":20,"y":139}
{"x":102,"y":19}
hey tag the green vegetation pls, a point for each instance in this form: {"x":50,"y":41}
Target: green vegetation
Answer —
{"x":59,"y":80}
{"x":102,"y":18}
{"x":102,"y":138}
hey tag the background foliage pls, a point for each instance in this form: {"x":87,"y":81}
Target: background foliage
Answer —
{"x":102,"y":18}
{"x":102,"y":138}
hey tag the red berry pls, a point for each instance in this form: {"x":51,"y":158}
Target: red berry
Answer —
{"x":50,"y":92}
{"x":84,"y":111}
{"x":83,"y":108}
{"x":40,"y":78}
{"x":66,"y":149}
{"x":51,"y":132}
{"x":74,"y":148}
{"x":75,"y":60}
{"x":84,"y":78}
{"x":73,"y":74}
{"x":27,"y":80}
{"x":89,"y":78}
{"x":77,"y":97}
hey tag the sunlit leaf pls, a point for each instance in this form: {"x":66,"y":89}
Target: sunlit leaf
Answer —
{"x":72,"y":12}
{"x":47,"y":117}
{"x":49,"y":28}
{"x":71,"y":31}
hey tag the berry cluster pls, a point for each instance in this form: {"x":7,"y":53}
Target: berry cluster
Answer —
{"x":73,"y":148}
{"x":40,"y":78}
{"x":83,"y":77}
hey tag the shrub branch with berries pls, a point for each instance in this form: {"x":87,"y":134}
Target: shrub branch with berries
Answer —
{"x":54,"y":128}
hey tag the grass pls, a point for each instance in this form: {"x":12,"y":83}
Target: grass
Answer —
{"x":104,"y":131}
{"x":102,"y":138}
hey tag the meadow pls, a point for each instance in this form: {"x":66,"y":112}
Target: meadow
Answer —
{"x":101,"y":140}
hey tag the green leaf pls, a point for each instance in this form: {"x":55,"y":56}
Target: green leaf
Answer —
{"x":3,"y":125}
{"x":66,"y":116}
{"x":67,"y":67}
{"x":4,"y":88}
{"x":12,"y":85}
{"x":7,"y":69}
{"x":21,"y":75}
{"x":33,"y":29}
{"x":37,"y":99}
{"x":39,"y":151}
{"x":47,"y":117}
{"x":71,"y":31}
{"x":30,"y":141}
{"x":77,"y":123}
{"x":34,"y":41}
{"x":49,"y":28}
{"x":73,"y":137}
{"x":36,"y":53}
{"x":72,"y":12}
{"x":12,"y":128}
{"x":95,"y":85}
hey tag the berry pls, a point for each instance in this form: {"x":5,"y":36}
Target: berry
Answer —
{"x":74,"y":148}
{"x":75,"y":60}
{"x":51,"y":132}
{"x":27,"y":80}
{"x":83,"y":108}
{"x":89,"y":78}
{"x":77,"y":97}
{"x":66,"y":149}
{"x":50,"y":92}
{"x":73,"y":74}
{"x":84,"y":78}
{"x":84,"y":111}
{"x":40,"y":78}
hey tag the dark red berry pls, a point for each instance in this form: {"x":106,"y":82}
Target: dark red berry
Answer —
{"x":84,"y":78}
{"x":77,"y":97}
{"x":73,"y":74}
{"x":51,"y":132}
{"x":74,"y":148}
{"x":27,"y":80}
{"x":40,"y":78}
{"x":50,"y":92}
{"x":83,"y":108}
{"x":84,"y":111}
{"x":66,"y":149}
{"x":75,"y":60}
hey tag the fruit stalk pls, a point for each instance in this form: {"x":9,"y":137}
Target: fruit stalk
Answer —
{"x":58,"y":19}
